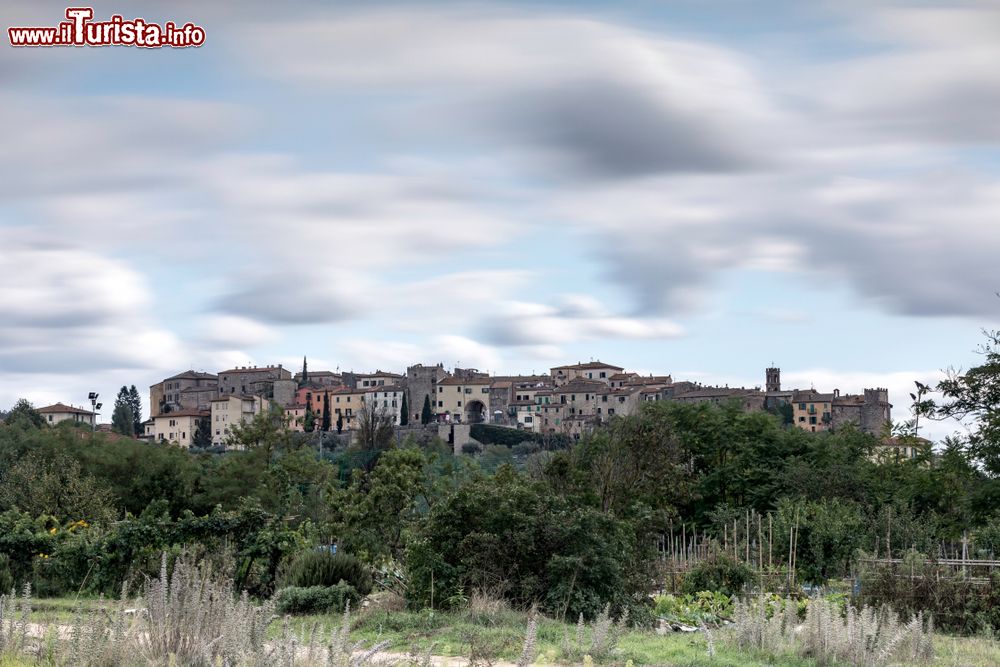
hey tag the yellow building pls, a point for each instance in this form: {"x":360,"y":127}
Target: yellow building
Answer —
{"x":231,"y":410}
{"x":464,"y":400}
{"x":812,"y":411}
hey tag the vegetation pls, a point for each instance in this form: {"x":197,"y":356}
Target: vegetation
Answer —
{"x":574,"y":537}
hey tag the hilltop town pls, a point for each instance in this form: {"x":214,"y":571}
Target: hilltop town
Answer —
{"x":570,"y":400}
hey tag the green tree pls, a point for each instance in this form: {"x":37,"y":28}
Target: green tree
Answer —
{"x":309,"y":421}
{"x":267,"y":431}
{"x":121,"y":420}
{"x":203,"y":433}
{"x":24,"y":413}
{"x":340,"y":423}
{"x":135,"y":402}
{"x":47,"y":483}
{"x":404,"y":411}
{"x":372,"y":517}
{"x":973,"y":397}
{"x":325,"y":426}
{"x":426,"y":414}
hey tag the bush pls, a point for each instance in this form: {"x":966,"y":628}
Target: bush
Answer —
{"x":720,"y":574}
{"x":322,"y":568}
{"x":316,"y":599}
{"x":6,"y":578}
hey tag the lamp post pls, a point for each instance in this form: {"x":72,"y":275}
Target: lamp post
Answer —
{"x":96,"y":406}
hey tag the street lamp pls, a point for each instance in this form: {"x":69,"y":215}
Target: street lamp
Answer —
{"x":96,"y":406}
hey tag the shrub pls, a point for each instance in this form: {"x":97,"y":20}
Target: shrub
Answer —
{"x":720,"y":574}
{"x":6,"y":578}
{"x":316,"y":599}
{"x":322,"y":568}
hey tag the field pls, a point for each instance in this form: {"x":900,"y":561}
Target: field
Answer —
{"x":496,"y":637}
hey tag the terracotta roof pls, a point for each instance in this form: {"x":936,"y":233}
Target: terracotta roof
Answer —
{"x":194,"y":375}
{"x":588,"y":366}
{"x":252,"y":369}
{"x":579,"y":384}
{"x":62,"y":409}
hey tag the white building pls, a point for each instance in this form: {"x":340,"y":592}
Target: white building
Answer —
{"x":54,"y":414}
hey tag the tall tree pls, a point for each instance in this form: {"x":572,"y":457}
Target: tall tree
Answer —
{"x":973,"y":397}
{"x":122,"y":419}
{"x":309,"y":421}
{"x":340,"y":423}
{"x":135,"y":402}
{"x":24,"y":413}
{"x":404,"y":411}
{"x":326,"y":412}
{"x":375,"y":428}
{"x":305,"y":372}
{"x":203,"y":433}
{"x":426,"y":415}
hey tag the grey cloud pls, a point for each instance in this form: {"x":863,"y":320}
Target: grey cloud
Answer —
{"x":611,"y":129}
{"x":283,"y":299}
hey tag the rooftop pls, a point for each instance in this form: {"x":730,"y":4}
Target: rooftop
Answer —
{"x":590,"y":365}
{"x":62,"y":409}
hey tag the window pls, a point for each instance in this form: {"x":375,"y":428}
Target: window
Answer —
{"x":527,"y":419}
{"x":611,"y":411}
{"x":440,"y":404}
{"x":590,"y":376}
{"x":812,"y":420}
{"x":50,"y":417}
{"x":440,"y":390}
{"x":604,"y":399}
{"x":486,"y":390}
{"x":459,"y":403}
{"x":802,"y":406}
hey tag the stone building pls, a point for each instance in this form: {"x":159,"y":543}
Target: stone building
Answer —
{"x":369,"y":380}
{"x":421,"y":382}
{"x":274,"y":383}
{"x":870,"y":411}
{"x":747,"y":399}
{"x":190,"y":390}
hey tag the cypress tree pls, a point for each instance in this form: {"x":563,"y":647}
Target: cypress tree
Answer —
{"x":135,"y":403}
{"x":404,"y":412}
{"x":426,"y":415}
{"x":326,"y":412}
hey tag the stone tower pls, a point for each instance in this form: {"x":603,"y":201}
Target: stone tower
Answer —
{"x":876,"y":411}
{"x":773,"y":379}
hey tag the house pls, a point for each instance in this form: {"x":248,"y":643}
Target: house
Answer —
{"x":464,"y":400}
{"x":369,"y":380}
{"x":812,"y":411}
{"x":388,"y":398}
{"x":54,"y":414}
{"x":295,"y":417}
{"x":228,"y":411}
{"x":593,"y":370}
{"x":179,"y":427}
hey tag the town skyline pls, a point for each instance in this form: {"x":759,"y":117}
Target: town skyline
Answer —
{"x":695,"y":188}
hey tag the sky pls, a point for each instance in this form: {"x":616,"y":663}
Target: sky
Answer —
{"x":701,"y":188}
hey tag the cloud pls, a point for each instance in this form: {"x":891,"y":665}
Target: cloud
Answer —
{"x":451,"y":350}
{"x":585,"y":95}
{"x":577,"y":318}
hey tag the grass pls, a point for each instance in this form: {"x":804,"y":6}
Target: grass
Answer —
{"x":499,"y":636}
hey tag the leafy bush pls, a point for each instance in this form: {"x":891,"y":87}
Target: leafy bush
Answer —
{"x":322,"y":568}
{"x":720,"y":574}
{"x":703,"y":608}
{"x":316,"y":599}
{"x":6,"y":578}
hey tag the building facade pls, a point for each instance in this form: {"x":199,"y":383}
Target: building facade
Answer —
{"x":54,"y":414}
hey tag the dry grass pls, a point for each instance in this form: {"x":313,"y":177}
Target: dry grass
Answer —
{"x":864,"y":638}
